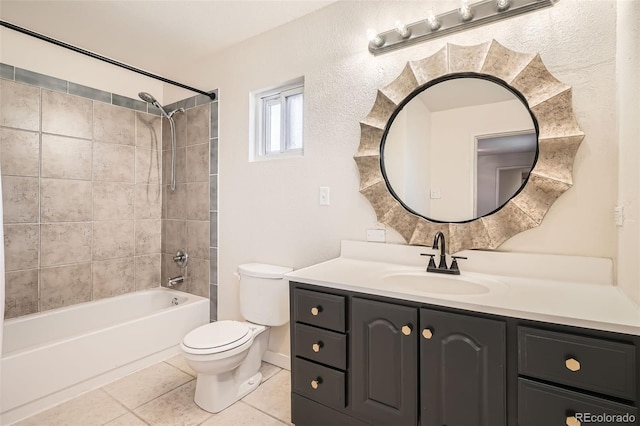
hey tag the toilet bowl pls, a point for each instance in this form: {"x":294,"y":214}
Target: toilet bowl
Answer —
{"x":227,"y":354}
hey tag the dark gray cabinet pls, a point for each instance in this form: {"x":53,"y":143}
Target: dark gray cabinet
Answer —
{"x":462,"y":364}
{"x":360,"y":359}
{"x":384,"y":354}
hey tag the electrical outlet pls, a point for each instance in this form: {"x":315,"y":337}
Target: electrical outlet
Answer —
{"x":619,"y":215}
{"x":435,"y":194}
{"x":376,"y":235}
{"x":324,"y":196}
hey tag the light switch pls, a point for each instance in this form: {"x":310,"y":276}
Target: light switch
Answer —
{"x":324,"y":196}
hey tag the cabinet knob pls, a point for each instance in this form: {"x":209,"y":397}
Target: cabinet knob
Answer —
{"x":572,"y":421}
{"x":315,"y":383}
{"x":317,"y":346}
{"x":316,"y":310}
{"x":572,"y":364}
{"x":427,"y":333}
{"x":406,"y":329}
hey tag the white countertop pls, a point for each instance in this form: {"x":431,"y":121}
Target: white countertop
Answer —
{"x":584,"y":297}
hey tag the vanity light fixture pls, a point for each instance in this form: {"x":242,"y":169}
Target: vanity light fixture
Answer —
{"x":432,"y":21}
{"x":468,"y":15}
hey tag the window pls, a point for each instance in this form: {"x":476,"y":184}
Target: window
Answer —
{"x":278,"y":121}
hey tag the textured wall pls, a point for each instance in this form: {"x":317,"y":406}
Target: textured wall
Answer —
{"x":269,"y":211}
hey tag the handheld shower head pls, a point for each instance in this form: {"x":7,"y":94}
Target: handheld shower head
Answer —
{"x":147,"y":98}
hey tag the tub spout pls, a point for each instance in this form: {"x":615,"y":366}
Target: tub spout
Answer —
{"x":175,"y":280}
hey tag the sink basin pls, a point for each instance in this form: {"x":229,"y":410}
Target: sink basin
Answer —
{"x":433,"y":283}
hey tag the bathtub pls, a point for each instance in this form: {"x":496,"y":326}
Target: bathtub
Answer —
{"x":55,"y":355}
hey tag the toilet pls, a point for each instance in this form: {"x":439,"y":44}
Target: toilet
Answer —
{"x":227,"y":354}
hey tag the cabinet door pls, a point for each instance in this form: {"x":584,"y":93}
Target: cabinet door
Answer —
{"x":384,"y":361}
{"x":462,"y":370}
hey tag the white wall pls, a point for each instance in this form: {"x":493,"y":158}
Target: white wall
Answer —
{"x":269,"y":211}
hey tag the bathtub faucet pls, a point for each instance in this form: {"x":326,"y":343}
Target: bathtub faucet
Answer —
{"x":175,"y":280}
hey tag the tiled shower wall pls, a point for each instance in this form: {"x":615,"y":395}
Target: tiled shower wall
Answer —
{"x":83,"y":193}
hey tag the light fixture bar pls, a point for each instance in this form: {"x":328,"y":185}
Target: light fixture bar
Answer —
{"x":483,"y":12}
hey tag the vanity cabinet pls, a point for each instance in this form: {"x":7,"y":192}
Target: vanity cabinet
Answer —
{"x":360,"y":359}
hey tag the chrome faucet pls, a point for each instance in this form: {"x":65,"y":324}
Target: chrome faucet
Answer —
{"x":442,"y":268}
{"x":175,"y":281}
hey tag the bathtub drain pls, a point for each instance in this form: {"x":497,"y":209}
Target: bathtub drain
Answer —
{"x":174,"y":301}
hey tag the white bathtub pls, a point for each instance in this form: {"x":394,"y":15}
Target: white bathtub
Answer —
{"x":55,"y":355}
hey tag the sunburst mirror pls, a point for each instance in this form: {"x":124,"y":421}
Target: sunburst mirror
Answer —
{"x":533,"y":117}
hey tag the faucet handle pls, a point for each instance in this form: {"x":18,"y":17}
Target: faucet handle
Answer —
{"x":432,"y":262}
{"x":454,"y":263}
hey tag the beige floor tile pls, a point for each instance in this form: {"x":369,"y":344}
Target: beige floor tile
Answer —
{"x":127,"y":420}
{"x":273,"y":396}
{"x":175,"y":408}
{"x":91,"y":409}
{"x":241,"y":414}
{"x":144,"y":385}
{"x":268,"y":371}
{"x":179,"y":362}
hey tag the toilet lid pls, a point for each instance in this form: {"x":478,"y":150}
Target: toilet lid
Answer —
{"x":217,"y":335}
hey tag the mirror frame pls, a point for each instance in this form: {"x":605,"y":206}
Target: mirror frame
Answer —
{"x":559,"y":137}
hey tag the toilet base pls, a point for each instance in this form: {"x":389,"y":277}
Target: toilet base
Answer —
{"x":214,"y":394}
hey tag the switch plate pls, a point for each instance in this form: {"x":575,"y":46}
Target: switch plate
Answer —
{"x":324,"y":196}
{"x":376,"y":235}
{"x":435,"y":194}
{"x":619,"y":215}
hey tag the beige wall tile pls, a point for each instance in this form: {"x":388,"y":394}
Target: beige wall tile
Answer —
{"x":21,"y":293}
{"x":148,"y":237}
{"x":114,"y":163}
{"x":198,"y":201}
{"x":174,"y":235}
{"x":148,"y":271}
{"x":113,"y":200}
{"x":148,"y":131}
{"x":113,"y":277}
{"x":180,"y":120}
{"x":198,"y":163}
{"x":66,"y":115}
{"x":65,"y":285}
{"x":175,"y":202}
{"x":181,"y":165}
{"x":148,"y":201}
{"x":20,"y":152}
{"x":148,"y":166}
{"x":198,"y":277}
{"x":63,"y":200}
{"x":113,"y":124}
{"x":113,"y":239}
{"x":65,"y":243}
{"x":66,"y":158}
{"x":198,"y":125}
{"x":21,"y":247}
{"x":198,"y":238}
{"x":20,"y":199}
{"x":19,"y":105}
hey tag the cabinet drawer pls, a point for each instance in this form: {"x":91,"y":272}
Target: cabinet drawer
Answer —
{"x":540,"y":404}
{"x":587,"y":363}
{"x":321,"y":384}
{"x":320,"y":345}
{"x":319,"y":309}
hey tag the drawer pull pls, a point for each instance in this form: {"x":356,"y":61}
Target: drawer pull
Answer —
{"x":316,"y":310}
{"x":317,"y":346}
{"x":572,"y":364}
{"x":406,"y":329}
{"x":572,"y":421}
{"x":427,"y":333}
{"x":316,"y":382}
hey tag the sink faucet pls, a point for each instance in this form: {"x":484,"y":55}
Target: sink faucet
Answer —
{"x":442,"y":268}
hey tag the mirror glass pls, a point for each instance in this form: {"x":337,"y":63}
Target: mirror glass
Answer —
{"x":460,"y":149}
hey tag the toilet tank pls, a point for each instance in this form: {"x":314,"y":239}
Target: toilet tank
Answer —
{"x":264,"y":293}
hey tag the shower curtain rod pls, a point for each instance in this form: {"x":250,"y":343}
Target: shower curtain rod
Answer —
{"x":22,"y":30}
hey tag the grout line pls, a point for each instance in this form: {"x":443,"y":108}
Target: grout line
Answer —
{"x":264,"y":412}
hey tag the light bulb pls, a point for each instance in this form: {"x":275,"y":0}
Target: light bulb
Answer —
{"x":503,"y":5}
{"x":402,"y":30}
{"x":374,"y":37}
{"x":465,"y":11}
{"x":432,"y":21}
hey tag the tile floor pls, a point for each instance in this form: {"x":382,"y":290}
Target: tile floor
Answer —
{"x":163,"y":395}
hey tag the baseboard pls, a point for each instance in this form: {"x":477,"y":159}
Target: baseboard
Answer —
{"x":277,"y":359}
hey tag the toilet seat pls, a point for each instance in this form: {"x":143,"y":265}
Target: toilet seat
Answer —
{"x":216,"y":337}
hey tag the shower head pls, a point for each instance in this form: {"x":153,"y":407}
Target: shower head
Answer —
{"x":147,"y":98}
